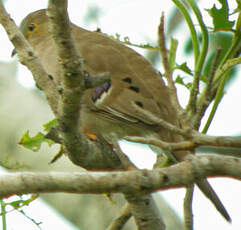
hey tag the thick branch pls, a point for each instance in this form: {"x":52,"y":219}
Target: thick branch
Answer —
{"x":87,"y":154}
{"x":145,"y":211}
{"x":71,"y":77}
{"x":74,"y":86}
{"x":142,"y":181}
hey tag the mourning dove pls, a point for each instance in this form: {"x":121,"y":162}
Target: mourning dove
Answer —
{"x":108,"y":110}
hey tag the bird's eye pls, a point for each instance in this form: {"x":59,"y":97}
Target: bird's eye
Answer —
{"x":32,"y":27}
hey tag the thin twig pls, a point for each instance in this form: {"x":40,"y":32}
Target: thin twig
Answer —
{"x":219,"y":141}
{"x":167,"y":68}
{"x":182,"y":145}
{"x":124,"y":215}
{"x":208,"y":95}
{"x":219,"y":83}
{"x":187,"y":206}
{"x":162,"y":123}
{"x":195,"y":141}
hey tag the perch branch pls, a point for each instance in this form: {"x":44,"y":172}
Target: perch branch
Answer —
{"x":194,"y":168}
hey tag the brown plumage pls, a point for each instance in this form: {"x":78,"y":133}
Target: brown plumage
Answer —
{"x":108,"y":110}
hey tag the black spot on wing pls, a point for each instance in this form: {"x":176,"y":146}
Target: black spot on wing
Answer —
{"x":133,"y":88}
{"x":127,"y":80}
{"x":139,"y":103}
{"x":50,"y":77}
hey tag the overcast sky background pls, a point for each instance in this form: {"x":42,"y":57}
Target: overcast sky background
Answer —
{"x":137,"y":20}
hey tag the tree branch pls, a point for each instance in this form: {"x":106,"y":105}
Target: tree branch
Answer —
{"x":194,"y":168}
{"x":124,"y":215}
{"x":187,"y":207}
{"x":168,"y":71}
{"x":145,"y":212}
{"x":219,"y":141}
{"x":196,"y":140}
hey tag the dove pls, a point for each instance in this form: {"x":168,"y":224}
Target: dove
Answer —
{"x":110,"y":110}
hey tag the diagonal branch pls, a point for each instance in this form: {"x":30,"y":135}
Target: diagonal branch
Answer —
{"x":124,"y":215}
{"x":28,"y":58}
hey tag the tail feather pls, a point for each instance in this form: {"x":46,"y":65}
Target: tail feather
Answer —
{"x":207,"y":190}
{"x":203,"y":185}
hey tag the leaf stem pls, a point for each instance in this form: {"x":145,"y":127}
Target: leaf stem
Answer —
{"x":3,"y":212}
{"x":192,"y":104}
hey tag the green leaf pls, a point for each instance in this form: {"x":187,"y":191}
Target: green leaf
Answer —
{"x":50,"y":124}
{"x":34,"y":143}
{"x":184,"y":68}
{"x":179,"y":80}
{"x":220,"y":17}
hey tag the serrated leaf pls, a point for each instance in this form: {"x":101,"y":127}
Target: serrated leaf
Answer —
{"x":50,"y":124}
{"x":20,"y":203}
{"x":184,"y":68}
{"x":34,"y":143}
{"x":220,"y":17}
{"x":179,"y":80}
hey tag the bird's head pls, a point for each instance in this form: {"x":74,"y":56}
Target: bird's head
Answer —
{"x":34,"y":26}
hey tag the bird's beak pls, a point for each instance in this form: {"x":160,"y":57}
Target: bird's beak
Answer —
{"x":14,"y":52}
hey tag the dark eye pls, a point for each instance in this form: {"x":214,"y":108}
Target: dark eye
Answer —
{"x":31,"y":27}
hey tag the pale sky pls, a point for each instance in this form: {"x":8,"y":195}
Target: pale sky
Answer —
{"x":139,"y":20}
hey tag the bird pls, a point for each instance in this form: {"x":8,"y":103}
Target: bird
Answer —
{"x":110,"y":110}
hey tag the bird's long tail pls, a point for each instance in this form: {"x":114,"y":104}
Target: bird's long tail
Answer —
{"x":203,"y":185}
{"x":208,"y":191}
